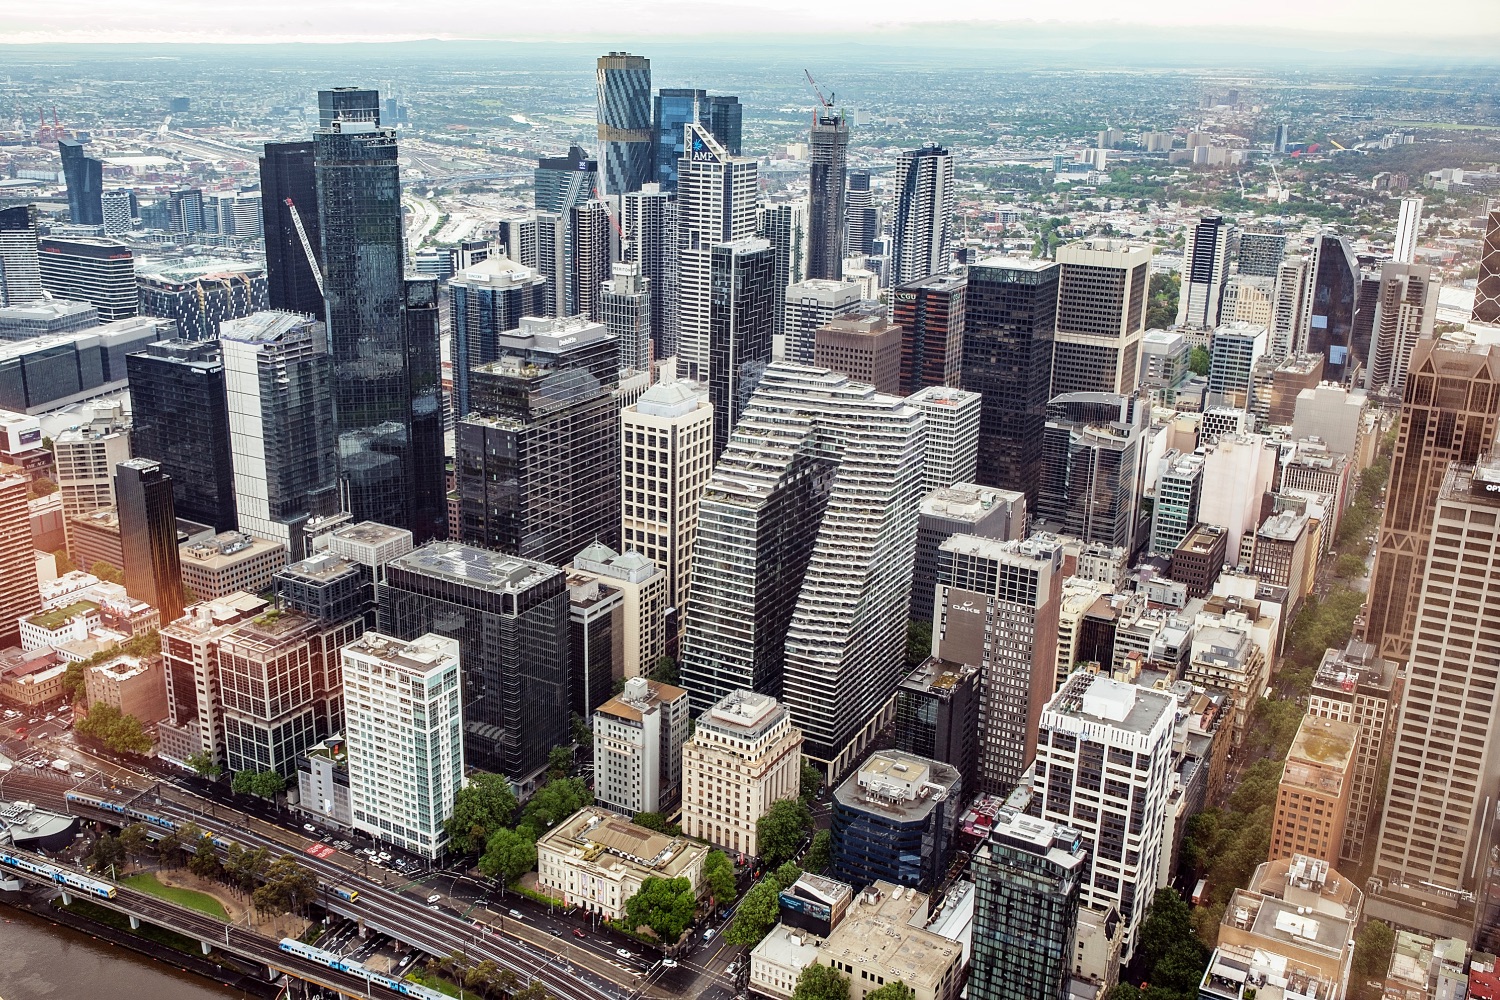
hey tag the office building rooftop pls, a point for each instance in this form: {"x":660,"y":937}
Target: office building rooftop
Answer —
{"x":474,"y":567}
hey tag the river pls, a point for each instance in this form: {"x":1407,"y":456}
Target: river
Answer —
{"x":39,"y":960}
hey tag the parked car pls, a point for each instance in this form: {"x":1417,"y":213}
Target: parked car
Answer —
{"x":434,"y":898}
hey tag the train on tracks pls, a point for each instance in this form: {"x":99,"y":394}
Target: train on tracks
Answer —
{"x":354,"y":968}
{"x":58,"y":874}
{"x":154,"y":823}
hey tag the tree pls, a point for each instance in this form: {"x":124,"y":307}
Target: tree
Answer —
{"x":787,"y":874}
{"x":120,"y":733}
{"x":74,"y":681}
{"x":757,"y":914}
{"x":481,"y":807}
{"x":203,"y":764}
{"x":1349,"y":566}
{"x":812,"y":780}
{"x":651,"y":821}
{"x":896,"y":990}
{"x":554,"y":802}
{"x":508,"y":855}
{"x":1199,"y":361}
{"x":205,"y":863}
{"x":1167,"y":922}
{"x":583,"y":733}
{"x":243,"y":782}
{"x":820,"y":854}
{"x":169,"y":849}
{"x":287,"y":887}
{"x":1161,"y":301}
{"x":666,"y":671}
{"x":781,"y":829}
{"x":1372,"y":949}
{"x":107,"y":851}
{"x":65,"y":563}
{"x":106,"y":572}
{"x":268,"y":784}
{"x":918,"y":643}
{"x":665,"y":905}
{"x":718,"y":876}
{"x":133,"y":838}
{"x":820,"y":982}
{"x":1181,"y":969}
{"x":560,"y":761}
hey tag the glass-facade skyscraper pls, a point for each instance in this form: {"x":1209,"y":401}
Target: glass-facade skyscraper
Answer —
{"x":1330,"y":314}
{"x":510,"y":617}
{"x":286,"y":171}
{"x":148,"y":536}
{"x":827,"y":155}
{"x":383,"y":342}
{"x":624,"y":86}
{"x":674,"y":107}
{"x":84,"y":177}
{"x":739,"y":328}
{"x":922,"y":216}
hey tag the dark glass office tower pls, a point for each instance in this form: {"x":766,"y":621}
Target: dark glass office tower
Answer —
{"x":510,"y":617}
{"x":352,"y":104}
{"x":428,"y":516}
{"x":148,"y":536}
{"x":864,"y":218}
{"x":741,"y":275}
{"x":180,"y":421}
{"x":486,"y":301}
{"x":383,"y":463}
{"x":84,"y":177}
{"x":1330,"y":318}
{"x":826,"y":154}
{"x":1094,"y":449}
{"x":674,"y":107}
{"x":1027,"y":877}
{"x":560,"y":182}
{"x":624,"y":113}
{"x":930,"y":313}
{"x":937,"y":715}
{"x":286,"y":171}
{"x":1010,"y":313}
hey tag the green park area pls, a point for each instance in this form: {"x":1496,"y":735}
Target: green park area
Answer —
{"x":200,"y":901}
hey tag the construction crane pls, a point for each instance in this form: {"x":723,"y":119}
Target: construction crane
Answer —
{"x":1241,"y":178}
{"x":826,"y":102}
{"x":1278,"y":193}
{"x":312,"y":260}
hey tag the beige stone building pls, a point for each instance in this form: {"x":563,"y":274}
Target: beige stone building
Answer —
{"x":597,"y":860}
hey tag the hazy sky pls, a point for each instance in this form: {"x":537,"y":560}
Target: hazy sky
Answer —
{"x":369,"y":20}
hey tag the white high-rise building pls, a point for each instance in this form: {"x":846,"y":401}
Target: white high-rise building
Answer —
{"x":811,"y":304}
{"x":86,"y":457}
{"x":923,"y":201}
{"x":716,"y":199}
{"x":803,"y":568}
{"x":1103,"y":767}
{"x":403,"y":726}
{"x":20,"y":272}
{"x":638,"y":738}
{"x":744,"y":755}
{"x":952,"y":435}
{"x":1289,"y":306}
{"x":1408,"y":226}
{"x":666,"y":453}
{"x":119,"y":216}
{"x":625,"y":310}
{"x":1405,"y":313}
{"x":1203,"y":274}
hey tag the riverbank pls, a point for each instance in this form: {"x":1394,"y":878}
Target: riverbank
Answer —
{"x":225,"y":970}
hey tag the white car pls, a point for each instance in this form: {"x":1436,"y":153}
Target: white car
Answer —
{"x":309,"y":828}
{"x":623,"y":953}
{"x":384,"y":856}
{"x":433,"y":898}
{"x":669,"y":963}
{"x":515,"y":914}
{"x":708,"y":935}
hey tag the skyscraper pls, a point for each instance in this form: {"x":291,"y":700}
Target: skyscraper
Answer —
{"x":716,"y":198}
{"x":148,"y":536}
{"x":1289,"y":307}
{"x":286,"y":172}
{"x":178,"y":384}
{"x":350,"y":104}
{"x":1260,"y":254}
{"x":863,"y":217}
{"x":1329,"y":315}
{"x":20,"y":275}
{"x":952,"y":435}
{"x":922,"y":214}
{"x":1203,"y":274}
{"x":120,"y":211}
{"x":1439,"y":808}
{"x":515,"y":692}
{"x":486,"y":301}
{"x":674,"y":107}
{"x":1093,"y":466}
{"x":785,"y":226}
{"x":560,"y":182}
{"x":402,"y":703}
{"x":18,"y":582}
{"x":1010,"y":308}
{"x":930,"y":313}
{"x":1448,"y":414}
{"x":812,"y":304}
{"x":667,"y":456}
{"x":1487,"y":289}
{"x":739,"y":328}
{"x":100,"y":272}
{"x":1028,"y":877}
{"x":1404,"y":314}
{"x":1093,"y":719}
{"x":1101,"y":314}
{"x":625,"y":310}
{"x":379,"y":335}
{"x":590,"y":252}
{"x":997,"y":608}
{"x":1408,"y":228}
{"x":280,"y":402}
{"x":827,"y":153}
{"x":624,"y":112}
{"x":801,"y":582}
{"x":84,"y":176}
{"x":648,"y":239}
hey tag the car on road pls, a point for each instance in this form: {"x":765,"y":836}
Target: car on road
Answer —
{"x":383,"y":856}
{"x":79,"y":774}
{"x":434,"y":898}
{"x":623,"y":953}
{"x":708,"y":935}
{"x":309,"y":828}
{"x":669,"y":963}
{"x":578,"y":932}
{"x":515,"y":914}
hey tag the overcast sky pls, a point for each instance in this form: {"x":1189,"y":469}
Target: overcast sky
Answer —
{"x":371,"y":20}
